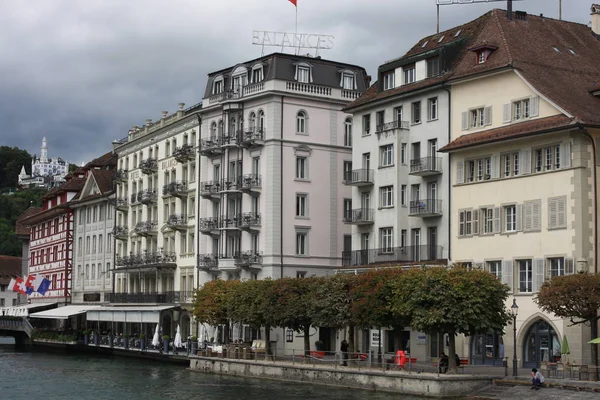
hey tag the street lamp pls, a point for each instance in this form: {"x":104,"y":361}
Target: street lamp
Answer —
{"x":514,"y":309}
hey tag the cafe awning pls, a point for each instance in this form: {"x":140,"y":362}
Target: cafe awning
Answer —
{"x":63,"y":312}
{"x":140,"y":314}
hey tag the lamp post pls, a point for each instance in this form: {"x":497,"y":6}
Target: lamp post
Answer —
{"x":514,"y":309}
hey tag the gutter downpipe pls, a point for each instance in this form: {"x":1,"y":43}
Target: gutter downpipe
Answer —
{"x":449,"y":171}
{"x":281,"y":195}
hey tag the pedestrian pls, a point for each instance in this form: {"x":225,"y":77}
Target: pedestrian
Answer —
{"x":344,"y":349}
{"x":537,"y":379}
{"x":443,"y":364}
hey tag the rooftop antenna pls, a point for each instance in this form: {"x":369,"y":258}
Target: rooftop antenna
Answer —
{"x":463,"y":2}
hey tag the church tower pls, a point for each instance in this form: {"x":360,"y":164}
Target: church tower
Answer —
{"x":44,"y":153}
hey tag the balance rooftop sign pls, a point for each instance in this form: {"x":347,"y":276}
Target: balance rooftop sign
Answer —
{"x":295,"y":40}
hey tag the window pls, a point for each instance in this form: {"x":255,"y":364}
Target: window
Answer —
{"x":403,"y":154}
{"x":487,"y":220}
{"x":557,"y":212}
{"x":433,"y":67}
{"x":386,"y":155}
{"x":432,"y":109}
{"x":416,"y":112}
{"x":303,"y":74}
{"x":300,"y":274}
{"x":386,"y":240}
{"x":403,"y":233}
{"x":409,"y":75}
{"x":510,"y":164}
{"x":348,"y":81}
{"x":379,"y":120}
{"x":347,"y":209}
{"x":367,"y":124}
{"x":557,"y":266}
{"x":510,"y":218}
{"x":301,"y":120}
{"x":388,"y":81}
{"x":301,"y":243}
{"x":476,"y":118}
{"x":100,"y":243}
{"x":218,"y":86}
{"x":302,"y":205}
{"x":495,"y":268}
{"x":465,"y":223}
{"x":348,"y":132}
{"x":520,"y":110}
{"x":479,"y":170}
{"x":525,"y":276}
{"x":547,"y":158}
{"x":482,"y":56}
{"x":386,"y":196}
{"x":301,"y":168}
{"x":399,"y":115}
{"x":403,"y":195}
{"x":257,"y":74}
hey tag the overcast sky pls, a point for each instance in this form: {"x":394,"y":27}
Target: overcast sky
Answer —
{"x":82,"y":72}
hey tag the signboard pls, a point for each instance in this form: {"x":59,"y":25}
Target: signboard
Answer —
{"x":375,"y":338}
{"x":421,"y":338}
{"x":91,"y":297}
{"x":292,"y":40}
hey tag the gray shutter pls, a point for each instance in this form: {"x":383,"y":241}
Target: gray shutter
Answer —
{"x":538,"y":274}
{"x":569,"y":266}
{"x":506,"y":113}
{"x":565,"y":154}
{"x":519,"y":216}
{"x":460,"y":172}
{"x":561,"y":208}
{"x":497,"y":218}
{"x":527,"y":216}
{"x":487,"y":116}
{"x":507,"y":274}
{"x":461,"y":223}
{"x":465,"y":121}
{"x":534,"y":106}
{"x":495,"y":167}
{"x":552,"y":213}
{"x":536,"y":215}
{"x":475,"y":216}
{"x":525,"y":159}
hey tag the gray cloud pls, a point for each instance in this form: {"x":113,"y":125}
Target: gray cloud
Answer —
{"x":83,"y":72}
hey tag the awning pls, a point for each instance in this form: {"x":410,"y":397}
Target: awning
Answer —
{"x":25,"y":309}
{"x":138,"y":314}
{"x":63,"y":312}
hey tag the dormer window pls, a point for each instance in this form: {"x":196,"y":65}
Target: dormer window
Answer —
{"x":218,"y":85}
{"x":239,"y":79}
{"x":388,"y":81}
{"x":347,"y":79}
{"x":433,"y":67}
{"x":257,"y":74}
{"x":303,"y":74}
{"x":409,"y":75}
{"x":481,"y":56}
{"x":482,"y":53}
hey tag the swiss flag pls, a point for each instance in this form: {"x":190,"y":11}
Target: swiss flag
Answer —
{"x":20,"y":286}
{"x":29,"y":281}
{"x":294,"y":2}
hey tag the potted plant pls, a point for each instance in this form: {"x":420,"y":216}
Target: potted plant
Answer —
{"x":126,"y":341}
{"x":142,"y":341}
{"x":86,"y":337}
{"x":166,"y":343}
{"x":194,"y":345}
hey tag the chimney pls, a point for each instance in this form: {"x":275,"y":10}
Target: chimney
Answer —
{"x":509,"y":12}
{"x":369,"y":80}
{"x":596,"y":19}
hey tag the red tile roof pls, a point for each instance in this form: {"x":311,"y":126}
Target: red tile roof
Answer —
{"x":20,"y":229}
{"x":10,"y":267}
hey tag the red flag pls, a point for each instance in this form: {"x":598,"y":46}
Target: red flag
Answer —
{"x":20,"y":286}
{"x":294,"y":2}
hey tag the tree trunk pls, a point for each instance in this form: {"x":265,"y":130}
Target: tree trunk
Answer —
{"x":306,"y":342}
{"x":268,"y":340}
{"x":351,"y":338}
{"x":452,"y":367}
{"x":226,"y":333}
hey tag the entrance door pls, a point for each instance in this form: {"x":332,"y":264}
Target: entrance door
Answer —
{"x":416,"y":241}
{"x":326,"y":336}
{"x":432,"y":244}
{"x":541,"y":344}
{"x":487,"y":349}
{"x":364,"y":252}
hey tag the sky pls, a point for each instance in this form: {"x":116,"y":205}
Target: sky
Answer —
{"x":83,"y":72}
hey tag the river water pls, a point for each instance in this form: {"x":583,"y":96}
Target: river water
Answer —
{"x":41,"y":375}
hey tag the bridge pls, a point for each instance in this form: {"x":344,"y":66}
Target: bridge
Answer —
{"x":14,"y":322}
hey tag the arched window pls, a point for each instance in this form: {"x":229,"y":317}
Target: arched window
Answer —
{"x":261,"y":121}
{"x":213,"y":130}
{"x":301,"y":121}
{"x":252,"y":120}
{"x":220,"y":130}
{"x":348,"y":132}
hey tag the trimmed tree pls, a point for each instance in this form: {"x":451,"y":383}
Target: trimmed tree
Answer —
{"x":211,"y":301}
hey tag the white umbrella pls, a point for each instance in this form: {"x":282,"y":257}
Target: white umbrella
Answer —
{"x":177,"y":341}
{"x":156,"y":339}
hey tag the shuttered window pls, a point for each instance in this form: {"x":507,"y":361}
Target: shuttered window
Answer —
{"x":557,"y":212}
{"x":532,"y":217}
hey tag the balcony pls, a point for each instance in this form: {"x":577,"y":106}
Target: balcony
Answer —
{"x":147,"y":196}
{"x":360,"y":216}
{"x":231,"y":185}
{"x":147,"y":228}
{"x":210,"y":190}
{"x":178,"y":222}
{"x":249,"y":221}
{"x":230,"y":222}
{"x":252,"y":137}
{"x":134,"y":199}
{"x":121,"y":175}
{"x":426,"y":166}
{"x":230,"y":140}
{"x":209,"y":226}
{"x":177,"y":189}
{"x":359,"y":177}
{"x":208,"y":262}
{"x":147,"y":298}
{"x":184,"y":153}
{"x":143,"y":260}
{"x":251,"y":183}
{"x":121,"y":203}
{"x":390,"y":126}
{"x":248,"y":259}
{"x":149,"y":166}
{"x":407,"y":254}
{"x":211,"y":147}
{"x":120,"y":232}
{"x":425,"y":208}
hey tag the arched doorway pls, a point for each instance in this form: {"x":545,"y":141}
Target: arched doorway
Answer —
{"x":487,"y":349}
{"x":541,"y":343}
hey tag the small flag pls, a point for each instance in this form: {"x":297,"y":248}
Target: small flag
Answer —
{"x":294,"y":2}
{"x":20,"y":286}
{"x":12,"y":284}
{"x":29,"y":281}
{"x":43,"y":286}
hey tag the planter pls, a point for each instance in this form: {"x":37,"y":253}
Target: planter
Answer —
{"x":86,"y":339}
{"x":126,"y":343}
{"x":194,"y":347}
{"x":165,"y":346}
{"x":97,"y":340}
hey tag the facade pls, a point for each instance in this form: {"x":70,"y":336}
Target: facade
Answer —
{"x":155,"y":221}
{"x":93,"y":245}
{"x":10,"y":267}
{"x":23,"y":234}
{"x":45,"y":171}
{"x":525,"y":124}
{"x":274,"y":144}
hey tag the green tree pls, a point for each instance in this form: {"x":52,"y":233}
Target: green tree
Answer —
{"x":11,"y":206}
{"x":211,"y":301}
{"x":11,"y":161}
{"x":452,"y":301}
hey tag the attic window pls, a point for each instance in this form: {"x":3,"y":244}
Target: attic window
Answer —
{"x":556,"y":49}
{"x":481,"y":56}
{"x":457,"y":33}
{"x":425,"y":43}
{"x":442,"y":38}
{"x":303,"y":73}
{"x":572,"y":51}
{"x":218,"y":85}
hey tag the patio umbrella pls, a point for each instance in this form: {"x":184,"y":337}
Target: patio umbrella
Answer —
{"x":177,"y":341}
{"x":564,"y":348}
{"x":595,"y":341}
{"x":156,"y":339}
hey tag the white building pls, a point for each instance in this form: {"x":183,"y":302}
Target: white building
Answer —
{"x":274,"y":144}
{"x":44,"y":170}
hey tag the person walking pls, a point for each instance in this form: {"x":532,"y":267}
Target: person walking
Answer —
{"x":344,"y":349}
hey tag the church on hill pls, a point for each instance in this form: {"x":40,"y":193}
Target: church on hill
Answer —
{"x":45,"y":172}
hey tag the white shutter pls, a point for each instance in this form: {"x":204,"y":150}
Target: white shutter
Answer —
{"x":401,"y":80}
{"x":506,"y":113}
{"x":527,"y":216}
{"x":552,"y":213}
{"x":536,"y":215}
{"x":476,"y":222}
{"x":495,"y":167}
{"x":534,"y":106}
{"x":507,"y":273}
{"x":569,"y":267}
{"x":538,"y":274}
{"x":525,"y":158}
{"x":561,"y":208}
{"x":519,"y":217}
{"x":461,"y":223}
{"x":465,"y":121}
{"x":460,"y":172}
{"x":421,"y":70}
{"x":497,"y":218}
{"x":487,"y":116}
{"x":565,"y":154}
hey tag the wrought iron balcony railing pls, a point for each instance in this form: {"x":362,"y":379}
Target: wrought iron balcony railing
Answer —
{"x":177,"y":221}
{"x":249,"y":220}
{"x":120,"y":232}
{"x":360,"y":216}
{"x":149,"y":166}
{"x":121,"y":203}
{"x":254,"y":136}
{"x":208,"y":261}
{"x":210,"y":146}
{"x":210,"y":188}
{"x":121,"y":175}
{"x":251,"y":181}
{"x":147,"y":196}
{"x":233,"y":184}
{"x":227,"y":222}
{"x":248,"y":258}
{"x":146,"y":259}
{"x":146,"y":228}
{"x":184,"y":153}
{"x":179,"y":188}
{"x":426,"y":166}
{"x":408,"y":254}
{"x":134,"y":198}
{"x":207,"y":225}
{"x":145,"y":298}
{"x":426,"y":207}
{"x":359,"y":177}
{"x":388,"y":126}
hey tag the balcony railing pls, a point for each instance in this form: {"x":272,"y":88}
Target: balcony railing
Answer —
{"x":144,"y":298}
{"x":408,"y":254}
{"x":121,"y":203}
{"x":184,"y":153}
{"x":426,"y":208}
{"x":359,"y":177}
{"x":230,"y":139}
{"x":230,"y":222}
{"x":231,"y":184}
{"x":426,"y":166}
{"x":146,"y":259}
{"x":134,"y":198}
{"x":208,"y":225}
{"x":179,"y":188}
{"x":120,"y":232}
{"x":249,"y":220}
{"x":211,"y":146}
{"x":248,"y":258}
{"x":388,"y":126}
{"x":121,"y":175}
{"x":208,"y":261}
{"x":177,"y":221}
{"x":147,"y":196}
{"x":209,"y":189}
{"x":146,"y":228}
{"x":360,"y":216}
{"x":251,"y":182}
{"x":253,"y":136}
{"x":149,"y":166}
